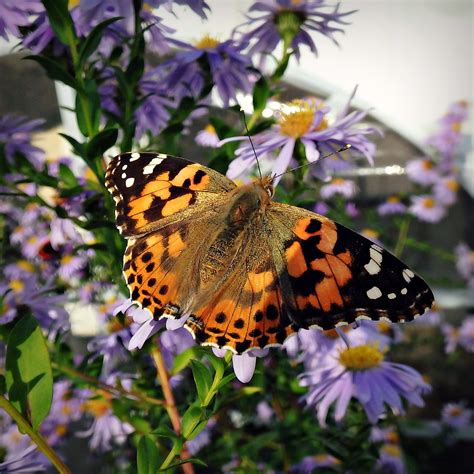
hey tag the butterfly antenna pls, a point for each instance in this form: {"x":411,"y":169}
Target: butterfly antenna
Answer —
{"x":251,"y":143}
{"x":344,"y":148}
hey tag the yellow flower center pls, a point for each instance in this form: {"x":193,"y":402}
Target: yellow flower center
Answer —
{"x":455,"y":411}
{"x":393,"y":437}
{"x":370,"y":233}
{"x":456,"y":127}
{"x":66,"y":410}
{"x":17,"y":285}
{"x":98,"y":407}
{"x":429,"y":203}
{"x":384,"y":327}
{"x":207,"y":42}
{"x":452,"y":185}
{"x":471,"y":256}
{"x":392,"y":450}
{"x":73,"y":3}
{"x":25,"y":265}
{"x":210,"y":129}
{"x":361,"y":357}
{"x":325,"y":458}
{"x":32,"y":240}
{"x":61,"y":430}
{"x":338,"y":181}
{"x":115,"y":325}
{"x":427,"y":164}
{"x":297,"y":117}
{"x":393,"y":199}
{"x":66,"y":259}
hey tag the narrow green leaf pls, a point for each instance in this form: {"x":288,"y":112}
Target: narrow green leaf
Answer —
{"x":88,"y":109}
{"x":60,"y":20}
{"x":78,"y":148}
{"x":147,"y":456}
{"x":261,"y":93}
{"x":192,"y":417}
{"x":227,"y":379}
{"x":54,"y":70}
{"x":67,"y":176}
{"x":197,"y":461}
{"x":183,"y":359}
{"x":28,"y":371}
{"x":202,"y":378}
{"x":102,"y":142}
{"x":92,"y":40}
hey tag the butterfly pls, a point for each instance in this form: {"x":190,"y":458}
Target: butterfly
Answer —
{"x":243,"y":270}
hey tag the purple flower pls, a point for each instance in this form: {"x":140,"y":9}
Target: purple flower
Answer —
{"x":338,"y":186}
{"x":229,"y":68}
{"x":145,"y":327}
{"x":391,"y":460}
{"x":13,"y":441}
{"x":427,"y":208}
{"x":291,"y":22}
{"x":352,"y":210}
{"x":24,"y":461}
{"x":264,"y":412}
{"x":15,"y":13}
{"x":243,"y":364}
{"x":422,"y":171}
{"x":197,"y":6}
{"x":466,"y":334}
{"x":71,"y":266}
{"x":391,"y":206}
{"x":465,"y":263}
{"x":456,"y":415}
{"x":321,"y":208}
{"x":361,"y":372}
{"x":207,"y":137}
{"x":15,"y":134}
{"x":311,"y":463}
{"x":451,"y":337}
{"x":64,"y":231}
{"x":305,"y":121}
{"x":446,"y":190}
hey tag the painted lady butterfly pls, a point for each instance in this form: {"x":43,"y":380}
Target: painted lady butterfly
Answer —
{"x":245,"y":270}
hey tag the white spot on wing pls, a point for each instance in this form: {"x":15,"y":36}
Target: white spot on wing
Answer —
{"x":391,"y":296}
{"x":134,"y":156}
{"x":124,"y":175}
{"x":372,"y":267}
{"x":151,"y":166}
{"x":374,"y":293}
{"x":375,"y":255}
{"x":404,"y":291}
{"x":124,"y":167}
{"x":129,"y":182}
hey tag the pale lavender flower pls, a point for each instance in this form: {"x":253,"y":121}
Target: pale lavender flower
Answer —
{"x":427,"y":208}
{"x":13,"y":441}
{"x":321,"y":208}
{"x":393,"y":205}
{"x":391,"y":460}
{"x":352,"y":210}
{"x":15,"y":134}
{"x":466,"y":334}
{"x":264,"y":412}
{"x":422,"y":171}
{"x":144,"y":327}
{"x":293,"y":22}
{"x":207,"y":137}
{"x":451,"y":337}
{"x":361,"y":372}
{"x":15,"y":13}
{"x":173,"y":343}
{"x":24,"y":461}
{"x":456,"y":415}
{"x":71,"y":266}
{"x":64,"y":231}
{"x":243,"y":364}
{"x":465,"y":261}
{"x":446,"y":189}
{"x":111,"y":346}
{"x":338,"y":187}
{"x":305,"y":121}
{"x":230,"y":69}
{"x":310,"y":464}
{"x":19,"y":270}
{"x":197,"y":6}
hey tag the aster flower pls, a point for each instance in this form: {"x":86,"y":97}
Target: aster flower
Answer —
{"x":305,"y":121}
{"x":465,"y":263}
{"x":24,"y":461}
{"x":293,"y":22}
{"x":456,"y":415}
{"x":321,"y":208}
{"x":207,"y":137}
{"x":466,"y":334}
{"x":451,"y":337}
{"x":391,"y":460}
{"x":371,"y":234}
{"x":71,"y":266}
{"x":15,"y":134}
{"x":338,"y":186}
{"x":197,"y":6}
{"x":15,"y":13}
{"x":422,"y":171}
{"x":229,"y":68}
{"x":393,"y":205}
{"x":446,"y":190}
{"x":243,"y":364}
{"x":64,"y":231}
{"x":361,"y":372}
{"x":311,"y":463}
{"x":427,"y":208}
{"x":264,"y":412}
{"x":144,"y":327}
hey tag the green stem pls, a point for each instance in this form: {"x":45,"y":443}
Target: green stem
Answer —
{"x":25,"y":427}
{"x":402,"y":237}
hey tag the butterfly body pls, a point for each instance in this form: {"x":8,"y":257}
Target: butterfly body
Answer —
{"x":245,"y":271}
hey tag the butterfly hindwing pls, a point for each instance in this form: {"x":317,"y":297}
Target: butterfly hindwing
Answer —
{"x":337,"y":275}
{"x":154,"y":189}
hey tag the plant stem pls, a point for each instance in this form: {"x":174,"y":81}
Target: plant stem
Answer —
{"x":402,"y":237}
{"x":108,"y":388}
{"x":35,"y":436}
{"x":163,"y":377}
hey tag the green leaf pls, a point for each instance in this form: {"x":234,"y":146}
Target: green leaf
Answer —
{"x":92,"y":40}
{"x":88,"y":109}
{"x":101,"y":142}
{"x":147,"y":456}
{"x":180,"y":463}
{"x":55,"y":71}
{"x":261,"y":93}
{"x":28,"y":371}
{"x":192,"y":417}
{"x":202,"y":378}
{"x":183,"y":359}
{"x":60,"y":20}
{"x":227,"y":379}
{"x":67,"y":176}
{"x":78,"y":148}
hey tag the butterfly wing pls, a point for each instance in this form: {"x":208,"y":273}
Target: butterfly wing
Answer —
{"x":334,"y":276}
{"x":153,"y":190}
{"x":166,"y":207}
